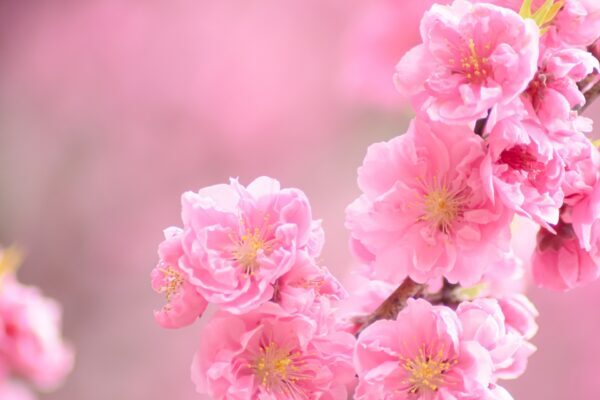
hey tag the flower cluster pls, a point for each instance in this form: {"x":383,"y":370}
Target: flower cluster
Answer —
{"x":32,"y":351}
{"x":438,"y":310}
{"x":252,"y":253}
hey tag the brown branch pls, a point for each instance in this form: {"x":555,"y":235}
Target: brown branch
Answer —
{"x":390,"y":308}
{"x":594,"y":91}
{"x":481,"y":123}
{"x":590,"y":95}
{"x":447,"y":295}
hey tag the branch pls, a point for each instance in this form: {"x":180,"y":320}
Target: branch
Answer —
{"x":481,"y":123}
{"x":590,"y":95}
{"x":390,"y":308}
{"x":446,"y":296}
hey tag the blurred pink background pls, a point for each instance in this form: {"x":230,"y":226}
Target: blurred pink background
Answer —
{"x":110,"y":109}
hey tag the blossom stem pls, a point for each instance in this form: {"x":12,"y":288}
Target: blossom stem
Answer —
{"x":446,"y":296}
{"x":481,"y":123}
{"x":590,"y":95}
{"x":391,"y":306}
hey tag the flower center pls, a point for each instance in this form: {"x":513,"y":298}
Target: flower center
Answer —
{"x":520,"y":159}
{"x":279,"y":370}
{"x":475,"y":67}
{"x":427,"y":372}
{"x":173,"y":280}
{"x":248,"y":247}
{"x":442,"y":206}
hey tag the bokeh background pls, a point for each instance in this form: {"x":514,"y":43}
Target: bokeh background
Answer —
{"x":110,"y":109}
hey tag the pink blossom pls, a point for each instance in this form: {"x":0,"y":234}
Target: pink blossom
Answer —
{"x":272,"y":355}
{"x":577,"y":23}
{"x":238,"y":241}
{"x":308,"y":288}
{"x":30,"y":338}
{"x":523,"y":170}
{"x":483,"y":320}
{"x":421,"y":355}
{"x":582,"y":166}
{"x":473,"y":57}
{"x":560,"y":263}
{"x":519,"y":314}
{"x":10,"y":390}
{"x":423,"y":212}
{"x":184,"y":303}
{"x":553,"y":93}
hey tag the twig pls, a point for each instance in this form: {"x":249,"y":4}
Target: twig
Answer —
{"x":590,"y":96}
{"x":446,"y":296}
{"x":481,"y":123}
{"x":391,"y":306}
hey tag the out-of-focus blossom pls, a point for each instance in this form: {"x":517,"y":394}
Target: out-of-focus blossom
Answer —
{"x":560,"y":263}
{"x":238,"y":241}
{"x":380,"y":33}
{"x":565,"y":23}
{"x":184,"y":303}
{"x":473,"y":57}
{"x":423,"y":212}
{"x":422,"y":354}
{"x":271,"y":354}
{"x":30,"y":338}
{"x":10,"y":390}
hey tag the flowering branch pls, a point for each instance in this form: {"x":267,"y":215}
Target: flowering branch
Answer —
{"x":390,"y":308}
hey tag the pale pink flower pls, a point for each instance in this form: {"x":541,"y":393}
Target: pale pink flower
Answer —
{"x":483,"y":320}
{"x":553,"y":93}
{"x":560,"y":263}
{"x":11,"y":390}
{"x":421,"y":355}
{"x":473,"y":57}
{"x":519,"y":314}
{"x":307,"y":286}
{"x":577,"y":23}
{"x":423,"y":212}
{"x":582,"y":166}
{"x":523,"y":170}
{"x":184,"y":303}
{"x":585,"y":218}
{"x":505,"y":276}
{"x":269,"y":354}
{"x":30,"y":337}
{"x":239,"y":241}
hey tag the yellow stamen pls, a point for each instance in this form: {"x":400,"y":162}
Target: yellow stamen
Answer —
{"x":442,"y":206}
{"x":474,"y":66}
{"x":279,"y":370}
{"x":173,"y":282}
{"x":249,"y":245}
{"x":427,"y":371}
